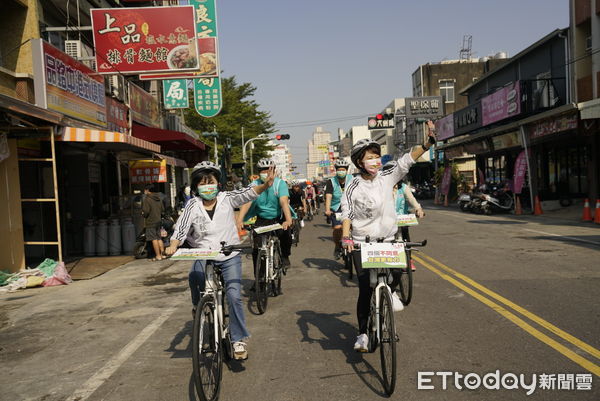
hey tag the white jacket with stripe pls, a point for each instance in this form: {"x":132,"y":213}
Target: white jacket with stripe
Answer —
{"x":370,"y":204}
{"x":201,"y":232}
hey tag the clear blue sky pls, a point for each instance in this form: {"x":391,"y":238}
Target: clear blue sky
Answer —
{"x":327,"y":59}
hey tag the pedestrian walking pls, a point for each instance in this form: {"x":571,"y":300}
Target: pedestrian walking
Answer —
{"x":152,"y":210}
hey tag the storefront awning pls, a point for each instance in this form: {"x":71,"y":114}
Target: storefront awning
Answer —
{"x":172,"y":161}
{"x":167,"y":139}
{"x":72,"y":134}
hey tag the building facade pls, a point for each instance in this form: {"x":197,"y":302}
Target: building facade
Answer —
{"x":320,"y":153}
{"x":528,"y":107}
{"x":75,"y":160}
{"x":283,"y":161}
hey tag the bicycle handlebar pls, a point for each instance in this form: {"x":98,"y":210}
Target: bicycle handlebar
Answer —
{"x":229,"y":249}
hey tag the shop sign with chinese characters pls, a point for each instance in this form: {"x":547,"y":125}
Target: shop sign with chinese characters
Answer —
{"x":207,"y":96}
{"x":175,"y":94}
{"x":118,"y":120}
{"x":467,"y":119}
{"x":503,"y":103}
{"x":424,"y":107}
{"x":65,"y":85}
{"x":148,"y":171}
{"x":208,"y":57}
{"x":445,"y":127}
{"x":145,"y":39}
{"x":144,"y":107}
{"x":554,"y":126}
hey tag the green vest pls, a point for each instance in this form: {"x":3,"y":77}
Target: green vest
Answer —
{"x":336,"y":199}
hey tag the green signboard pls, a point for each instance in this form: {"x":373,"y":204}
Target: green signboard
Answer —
{"x":175,"y":94}
{"x":207,"y":96}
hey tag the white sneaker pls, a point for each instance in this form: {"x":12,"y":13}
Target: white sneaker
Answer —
{"x":302,"y":223}
{"x":397,"y":304}
{"x":362,"y":343}
{"x":239,"y":350}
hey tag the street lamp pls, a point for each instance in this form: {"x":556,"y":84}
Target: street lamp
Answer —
{"x":215,"y":135}
{"x":261,"y":136}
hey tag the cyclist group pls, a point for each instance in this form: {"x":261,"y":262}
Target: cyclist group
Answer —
{"x":359,"y":206}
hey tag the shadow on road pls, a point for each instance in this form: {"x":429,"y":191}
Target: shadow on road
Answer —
{"x":571,"y":239}
{"x":339,"y":335}
{"x":337,"y":269}
{"x":180,"y":337}
{"x":494,"y":222}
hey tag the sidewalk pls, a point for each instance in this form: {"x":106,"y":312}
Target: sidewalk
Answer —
{"x":552,"y":213}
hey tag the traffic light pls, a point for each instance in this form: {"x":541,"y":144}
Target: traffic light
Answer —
{"x":282,"y":137}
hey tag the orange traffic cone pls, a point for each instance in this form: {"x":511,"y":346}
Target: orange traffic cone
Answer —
{"x":587,"y":215}
{"x":597,"y":212}
{"x":518,"y":210}
{"x":537,"y":210}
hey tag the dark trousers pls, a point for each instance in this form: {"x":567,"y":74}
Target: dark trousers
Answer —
{"x":285,"y":239}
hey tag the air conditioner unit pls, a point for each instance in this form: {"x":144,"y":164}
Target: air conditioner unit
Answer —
{"x":73,"y":48}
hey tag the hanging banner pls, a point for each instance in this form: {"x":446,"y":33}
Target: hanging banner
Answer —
{"x":145,"y":39}
{"x":446,"y":181}
{"x":117,"y":116}
{"x":148,"y":171}
{"x":66,"y":85}
{"x":208,"y":98}
{"x":520,"y":170}
{"x":175,"y":94}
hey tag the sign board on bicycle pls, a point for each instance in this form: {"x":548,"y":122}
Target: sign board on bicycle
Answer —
{"x":266,"y":229}
{"x":195,"y":254}
{"x":385,"y":255}
{"x":406,"y":220}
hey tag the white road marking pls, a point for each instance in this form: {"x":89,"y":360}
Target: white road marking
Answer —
{"x":101,"y":376}
{"x":562,"y":236}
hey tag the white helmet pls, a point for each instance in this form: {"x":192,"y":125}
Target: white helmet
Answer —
{"x":358,"y":150}
{"x":265,"y":163}
{"x":341,"y":163}
{"x":205,"y":166}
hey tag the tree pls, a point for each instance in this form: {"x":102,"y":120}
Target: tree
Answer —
{"x":239,"y":110}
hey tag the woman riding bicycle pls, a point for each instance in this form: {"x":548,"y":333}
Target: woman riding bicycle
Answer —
{"x":368,"y":205}
{"x":207,"y":220}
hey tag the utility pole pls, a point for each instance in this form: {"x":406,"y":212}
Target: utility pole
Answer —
{"x":260,"y":137}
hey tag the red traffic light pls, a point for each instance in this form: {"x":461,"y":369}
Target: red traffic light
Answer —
{"x":379,"y":116}
{"x":282,"y":137}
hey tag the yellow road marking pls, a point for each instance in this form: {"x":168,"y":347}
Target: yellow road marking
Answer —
{"x":547,"y":325}
{"x":586,"y":364}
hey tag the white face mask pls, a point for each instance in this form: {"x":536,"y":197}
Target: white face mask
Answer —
{"x":372,"y":165}
{"x":263,"y":176}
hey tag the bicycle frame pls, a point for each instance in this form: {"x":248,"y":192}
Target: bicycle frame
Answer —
{"x":214,"y":288}
{"x":268,"y":245}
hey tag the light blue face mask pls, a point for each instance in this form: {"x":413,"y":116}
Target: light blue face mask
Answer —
{"x":209,"y":191}
{"x":341,"y":173}
{"x":263,"y":176}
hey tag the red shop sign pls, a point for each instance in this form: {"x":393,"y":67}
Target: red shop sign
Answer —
{"x":145,"y":39}
{"x":117,"y":116}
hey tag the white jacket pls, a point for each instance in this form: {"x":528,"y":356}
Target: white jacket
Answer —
{"x":201,"y":232}
{"x":370,"y":204}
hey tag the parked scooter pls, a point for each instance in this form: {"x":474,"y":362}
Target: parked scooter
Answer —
{"x":142,"y":248}
{"x":499,"y":200}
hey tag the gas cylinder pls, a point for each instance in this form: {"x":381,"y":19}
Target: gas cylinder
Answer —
{"x":128,"y":235}
{"x":101,"y":238}
{"x":114,"y":237}
{"x":89,"y":238}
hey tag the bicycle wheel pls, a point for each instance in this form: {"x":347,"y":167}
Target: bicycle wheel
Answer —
{"x":260,"y":282}
{"x":207,"y":351}
{"x":371,"y":327}
{"x":387,"y":344}
{"x":278,"y":271}
{"x":406,"y":281}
